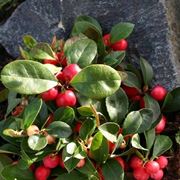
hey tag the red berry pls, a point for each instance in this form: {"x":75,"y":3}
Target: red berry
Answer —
{"x":70,"y":71}
{"x":152,"y":167}
{"x":81,"y":163}
{"x":158,"y":93}
{"x":158,"y":176}
{"x":51,"y":161}
{"x":42,"y":173}
{"x":120,"y":161}
{"x":49,"y":61}
{"x":130,"y":91}
{"x":60,"y":76}
{"x":61,"y":58}
{"x":136,"y":98}
{"x":140,"y":174}
{"x":77,"y":127}
{"x":61,"y":163}
{"x":142,"y":103}
{"x":50,"y":94}
{"x":31,"y":130}
{"x":32,"y":167}
{"x":162,"y":161}
{"x":136,"y":162}
{"x":66,"y":98}
{"x":111,"y":146}
{"x":120,"y":45}
{"x":161,"y":125}
{"x":106,"y":40}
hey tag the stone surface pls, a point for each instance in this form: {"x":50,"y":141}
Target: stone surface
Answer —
{"x":154,"y":36}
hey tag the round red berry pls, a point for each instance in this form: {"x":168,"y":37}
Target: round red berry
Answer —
{"x":51,"y":161}
{"x":66,"y":98}
{"x":77,"y":127}
{"x":106,"y":40}
{"x":42,"y":173}
{"x":162,"y":161}
{"x":136,"y":162}
{"x":81,"y":163}
{"x":152,"y":167}
{"x":130,"y":91}
{"x":50,"y":94}
{"x":161,"y":125}
{"x":140,"y":174}
{"x":60,"y":77}
{"x":120,"y":45}
{"x":120,"y":161}
{"x":61,"y":58}
{"x":158,"y":176}
{"x":61,"y":163}
{"x":70,"y":71}
{"x":158,"y":93}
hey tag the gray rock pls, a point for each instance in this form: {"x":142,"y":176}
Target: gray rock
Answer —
{"x":154,"y":36}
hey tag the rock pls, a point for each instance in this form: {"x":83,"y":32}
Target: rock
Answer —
{"x":154,"y":37}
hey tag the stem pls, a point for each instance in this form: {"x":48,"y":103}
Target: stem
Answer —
{"x":139,"y":155}
{"x":96,"y":115}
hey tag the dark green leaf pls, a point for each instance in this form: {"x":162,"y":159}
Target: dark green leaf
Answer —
{"x":31,"y":112}
{"x":147,"y":71}
{"x":121,"y":31}
{"x":59,"y":129}
{"x":99,"y":148}
{"x":27,"y":77}
{"x":82,"y":52}
{"x":112,"y":170}
{"x":109,"y":131}
{"x":150,"y":137}
{"x":9,"y":149}
{"x":117,"y":105}
{"x":85,"y":111}
{"x":162,"y":144}
{"x":37,"y":142}
{"x":97,"y":81}
{"x":4,"y":95}
{"x":135,"y":142}
{"x":29,"y":41}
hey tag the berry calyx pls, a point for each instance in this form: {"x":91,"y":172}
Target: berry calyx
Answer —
{"x":161,"y":125}
{"x":81,"y":163}
{"x":136,"y":162}
{"x":70,"y":71}
{"x":65,"y":99}
{"x":50,"y":94}
{"x":158,"y":176}
{"x":61,"y":58}
{"x":31,"y":130}
{"x":158,"y":93}
{"x":120,"y":45}
{"x":120,"y":161}
{"x":162,"y":161}
{"x":51,"y":161}
{"x":106,"y":40}
{"x":152,"y":167}
{"x":42,"y":173}
{"x":140,"y":174}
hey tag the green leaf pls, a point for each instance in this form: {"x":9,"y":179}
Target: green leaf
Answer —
{"x":150,"y":137}
{"x":85,"y":111}
{"x":31,"y":111}
{"x":132,"y":123}
{"x":12,"y":172}
{"x":52,"y":68}
{"x":64,"y":114}
{"x":4,"y":95}
{"x":121,"y":31}
{"x":172,"y":101}
{"x":112,"y":170}
{"x":37,"y":142}
{"x":99,"y":148}
{"x":147,"y":71}
{"x":59,"y":129}
{"x":117,"y":105}
{"x":132,"y":80}
{"x":87,"y":129}
{"x":177,"y":137}
{"x":97,"y":81}
{"x":29,"y":41}
{"x":27,"y":77}
{"x":154,"y":106}
{"x":109,"y":131}
{"x":82,"y":52}
{"x":9,"y":149}
{"x":135,"y":142}
{"x":162,"y":144}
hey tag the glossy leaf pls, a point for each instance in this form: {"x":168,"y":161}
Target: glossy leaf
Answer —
{"x":29,"y":41}
{"x":150,"y":137}
{"x":85,"y":111}
{"x":147,"y":71}
{"x":59,"y":129}
{"x":162,"y":144}
{"x":135,"y":142}
{"x":99,"y":148}
{"x":9,"y":149}
{"x":82,"y":52}
{"x":52,"y":68}
{"x":109,"y":131}
{"x":27,"y":77}
{"x":31,"y":111}
{"x":112,"y":170}
{"x":121,"y":31}
{"x":117,"y":105}
{"x":97,"y":81}
{"x":37,"y":142}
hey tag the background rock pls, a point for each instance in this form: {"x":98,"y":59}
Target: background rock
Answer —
{"x":155,"y":36}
